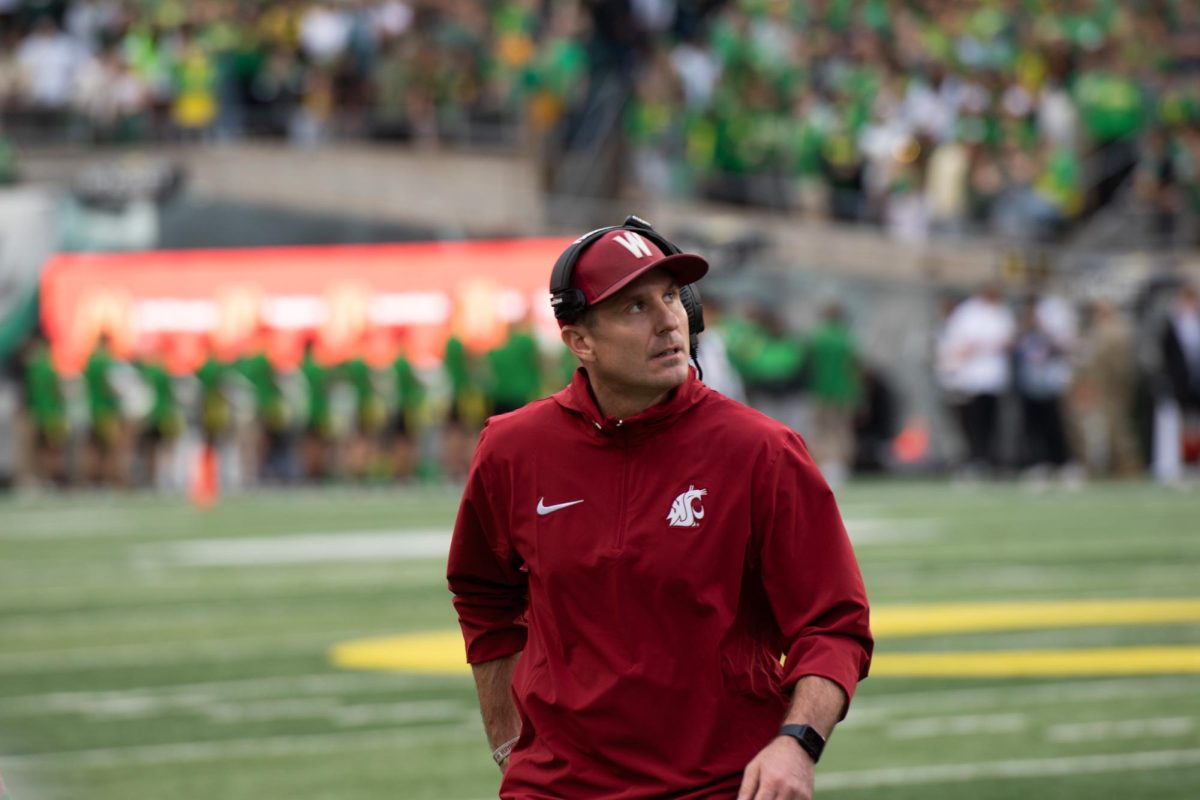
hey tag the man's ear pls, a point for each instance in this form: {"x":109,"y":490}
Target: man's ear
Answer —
{"x":578,"y":340}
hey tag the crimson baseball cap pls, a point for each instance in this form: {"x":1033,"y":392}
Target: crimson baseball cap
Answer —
{"x":619,"y":257}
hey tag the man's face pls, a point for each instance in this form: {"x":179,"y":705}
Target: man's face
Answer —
{"x":635,"y":344}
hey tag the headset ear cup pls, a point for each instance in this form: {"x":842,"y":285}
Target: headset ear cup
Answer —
{"x":567,"y":301}
{"x":689,"y":295}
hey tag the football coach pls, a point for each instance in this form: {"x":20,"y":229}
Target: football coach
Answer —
{"x":635,"y":555}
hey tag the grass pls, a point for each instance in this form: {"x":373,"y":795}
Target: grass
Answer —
{"x":133,"y":669}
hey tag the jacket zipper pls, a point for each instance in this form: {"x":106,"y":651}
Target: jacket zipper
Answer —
{"x":620,"y":543}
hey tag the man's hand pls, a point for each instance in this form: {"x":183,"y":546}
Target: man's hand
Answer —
{"x":780,"y":771}
{"x":783,"y":770}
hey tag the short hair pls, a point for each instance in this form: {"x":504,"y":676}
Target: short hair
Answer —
{"x":585,"y":318}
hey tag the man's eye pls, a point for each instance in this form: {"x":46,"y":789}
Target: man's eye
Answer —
{"x":669,"y":296}
{"x":637,"y":306}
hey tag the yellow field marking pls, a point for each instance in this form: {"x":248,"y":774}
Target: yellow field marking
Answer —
{"x":1040,"y":663}
{"x":441,"y":652}
{"x":924,"y":620}
{"x":433,"y":652}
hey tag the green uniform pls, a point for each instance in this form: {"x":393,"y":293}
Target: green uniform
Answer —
{"x":763,"y":360}
{"x":466,"y":403}
{"x":516,"y":372}
{"x":316,"y":380}
{"x":410,"y":394}
{"x":272,"y":409}
{"x":369,"y":405}
{"x":44,"y":397}
{"x":832,"y":369}
{"x":103,"y":403}
{"x":215,"y":413}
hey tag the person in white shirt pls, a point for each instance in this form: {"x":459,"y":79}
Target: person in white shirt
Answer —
{"x":48,"y":60}
{"x":973,"y":361}
{"x":713,"y":357}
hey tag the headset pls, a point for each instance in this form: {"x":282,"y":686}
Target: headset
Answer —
{"x":569,"y":302}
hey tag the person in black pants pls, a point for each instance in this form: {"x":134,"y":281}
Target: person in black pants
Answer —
{"x":1042,"y":377}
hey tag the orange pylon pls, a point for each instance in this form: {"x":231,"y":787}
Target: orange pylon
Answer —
{"x":204,"y":489}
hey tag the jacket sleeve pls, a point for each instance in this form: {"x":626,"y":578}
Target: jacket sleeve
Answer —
{"x":810,"y":574}
{"x":490,"y":590}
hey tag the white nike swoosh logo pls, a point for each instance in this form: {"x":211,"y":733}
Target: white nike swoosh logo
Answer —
{"x":544,"y":509}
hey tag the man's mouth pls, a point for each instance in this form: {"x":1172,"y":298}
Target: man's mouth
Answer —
{"x":668,"y":352}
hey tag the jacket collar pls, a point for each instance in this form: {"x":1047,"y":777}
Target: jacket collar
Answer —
{"x":578,"y":397}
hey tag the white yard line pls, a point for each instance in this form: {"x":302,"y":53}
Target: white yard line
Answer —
{"x":880,"y":707}
{"x":137,"y":655}
{"x":333,"y":710}
{"x":404,"y":713}
{"x":1015,"y":768}
{"x":318,"y":684}
{"x":256,"y":747}
{"x":963,"y":725}
{"x":70,"y":523}
{"x":880,"y":530}
{"x":1100,"y":730}
{"x":398,"y":545}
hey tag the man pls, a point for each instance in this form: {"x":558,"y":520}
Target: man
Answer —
{"x":318,"y":426}
{"x":46,"y":409}
{"x":834,"y":383}
{"x":272,"y":443}
{"x":1042,"y":373}
{"x":633,"y":555}
{"x":973,"y":361}
{"x":715,"y":362}
{"x":1106,"y":395}
{"x":107,"y":439}
{"x":405,"y":431}
{"x":370,"y":416}
{"x":1178,"y":403}
{"x":163,"y":424}
{"x":515,"y":369}
{"x":465,"y":407}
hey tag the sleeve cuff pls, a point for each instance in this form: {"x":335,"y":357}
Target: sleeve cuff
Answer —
{"x":495,"y":644}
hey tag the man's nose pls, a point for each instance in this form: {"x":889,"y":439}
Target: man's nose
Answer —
{"x":668,"y":320}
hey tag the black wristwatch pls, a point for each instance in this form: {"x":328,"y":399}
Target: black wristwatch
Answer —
{"x":807,"y":737}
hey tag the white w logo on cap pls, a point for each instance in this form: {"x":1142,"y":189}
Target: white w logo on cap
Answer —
{"x":634,"y":243}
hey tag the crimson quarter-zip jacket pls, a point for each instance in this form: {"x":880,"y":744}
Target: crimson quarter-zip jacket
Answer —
{"x":653,"y":571}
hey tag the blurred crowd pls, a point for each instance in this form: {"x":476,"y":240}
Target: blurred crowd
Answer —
{"x":1033,"y":385}
{"x":1100,"y":390}
{"x":1012,"y":116}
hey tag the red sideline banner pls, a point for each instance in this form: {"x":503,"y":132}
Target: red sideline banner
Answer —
{"x":369,"y":299}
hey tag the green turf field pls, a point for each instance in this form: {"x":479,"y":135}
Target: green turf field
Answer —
{"x":153,"y":652}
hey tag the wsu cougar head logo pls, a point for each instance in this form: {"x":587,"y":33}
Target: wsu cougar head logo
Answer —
{"x":686,"y":509}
